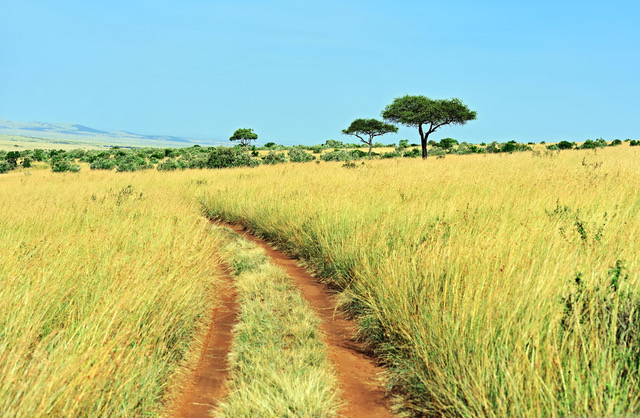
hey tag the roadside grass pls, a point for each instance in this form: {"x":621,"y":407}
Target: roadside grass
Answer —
{"x":105,"y":282}
{"x":279,"y":364}
{"x":493,"y":285}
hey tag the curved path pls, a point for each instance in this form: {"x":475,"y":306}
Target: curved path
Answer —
{"x":357,"y":372}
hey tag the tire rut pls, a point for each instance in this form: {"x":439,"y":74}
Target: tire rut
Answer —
{"x":206,"y":385}
{"x":357,"y":372}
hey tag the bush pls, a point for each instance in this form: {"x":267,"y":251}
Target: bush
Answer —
{"x":493,"y":147}
{"x":26,"y":162}
{"x":448,"y":143}
{"x":634,"y":142}
{"x":169,"y":165}
{"x":414,"y":153}
{"x":103,"y":164}
{"x":223,"y":157}
{"x":565,"y":145}
{"x":598,"y":143}
{"x":615,"y":143}
{"x":61,"y":166}
{"x":5,"y":167}
{"x":343,"y":155}
{"x":298,"y":155}
{"x":274,"y":158}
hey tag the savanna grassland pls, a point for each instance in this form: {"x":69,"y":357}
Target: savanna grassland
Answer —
{"x":492,"y":284}
{"x":105,"y":282}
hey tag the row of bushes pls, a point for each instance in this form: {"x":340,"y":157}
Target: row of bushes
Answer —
{"x":131,"y":159}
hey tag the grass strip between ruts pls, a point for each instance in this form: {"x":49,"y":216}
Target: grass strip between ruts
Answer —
{"x":279,"y":364}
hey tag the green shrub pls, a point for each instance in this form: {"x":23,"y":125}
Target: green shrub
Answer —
{"x":103,"y":164}
{"x":169,"y":165}
{"x":414,"y":153}
{"x":343,"y":155}
{"x":274,"y":158}
{"x":5,"y":167}
{"x":63,"y":165}
{"x":565,"y":145}
{"x":223,"y":157}
{"x":298,"y":155}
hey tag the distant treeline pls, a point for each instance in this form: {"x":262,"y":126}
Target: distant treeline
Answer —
{"x":167,"y":159}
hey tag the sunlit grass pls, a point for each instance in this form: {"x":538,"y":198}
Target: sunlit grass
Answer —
{"x":279,"y":364}
{"x":462,"y":268}
{"x":105,"y":279}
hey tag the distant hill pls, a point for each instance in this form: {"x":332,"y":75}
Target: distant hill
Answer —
{"x":69,"y":133}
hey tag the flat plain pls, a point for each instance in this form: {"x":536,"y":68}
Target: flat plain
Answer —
{"x":494,"y":284}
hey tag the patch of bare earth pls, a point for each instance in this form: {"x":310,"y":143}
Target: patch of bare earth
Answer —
{"x":206,"y":385}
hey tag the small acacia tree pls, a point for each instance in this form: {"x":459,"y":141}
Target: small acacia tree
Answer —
{"x":370,"y":128}
{"x":244,"y":135}
{"x":427,"y":113}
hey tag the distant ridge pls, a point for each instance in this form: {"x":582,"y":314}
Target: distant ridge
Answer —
{"x":75,"y":132}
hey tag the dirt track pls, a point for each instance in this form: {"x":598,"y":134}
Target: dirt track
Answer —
{"x":357,"y":372}
{"x":207,"y":386}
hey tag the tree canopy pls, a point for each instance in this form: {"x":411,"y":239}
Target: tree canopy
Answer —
{"x":244,"y":135}
{"x":427,"y":114}
{"x":370,"y":128}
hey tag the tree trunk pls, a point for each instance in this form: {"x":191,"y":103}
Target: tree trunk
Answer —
{"x":370,"y":146}
{"x":423,"y":142}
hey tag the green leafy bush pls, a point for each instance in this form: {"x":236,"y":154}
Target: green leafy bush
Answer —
{"x":5,"y":167}
{"x":62,"y":165}
{"x":223,"y":157}
{"x":274,"y":158}
{"x":343,"y":155}
{"x":565,"y":145}
{"x":298,"y":155}
{"x":103,"y":164}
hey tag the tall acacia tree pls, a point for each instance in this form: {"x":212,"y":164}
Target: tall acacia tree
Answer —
{"x":427,"y":114}
{"x":368,"y":128}
{"x":244,"y":135}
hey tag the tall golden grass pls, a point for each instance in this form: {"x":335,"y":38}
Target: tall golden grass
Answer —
{"x":486,"y":281}
{"x":105,"y":280}
{"x":278,"y":362}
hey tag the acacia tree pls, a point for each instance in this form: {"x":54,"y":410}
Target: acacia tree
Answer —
{"x":244,"y":135}
{"x":427,"y":113}
{"x":368,"y":127}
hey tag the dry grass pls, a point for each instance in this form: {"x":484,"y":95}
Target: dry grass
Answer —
{"x":104,"y":281}
{"x":464,"y":270}
{"x":279,"y":365}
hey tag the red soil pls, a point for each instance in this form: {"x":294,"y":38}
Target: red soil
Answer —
{"x":206,"y":386}
{"x":357,"y":372}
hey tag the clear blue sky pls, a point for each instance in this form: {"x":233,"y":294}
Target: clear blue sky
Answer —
{"x":298,"y":72}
